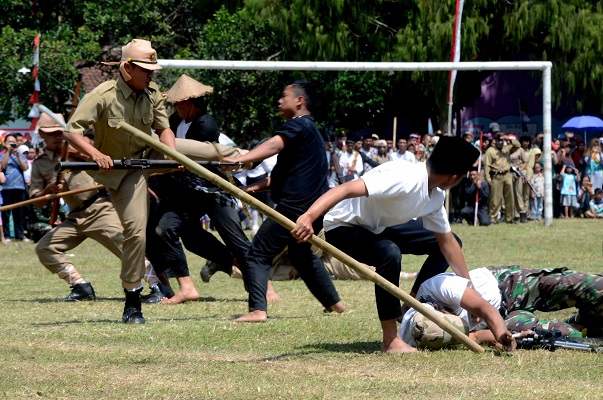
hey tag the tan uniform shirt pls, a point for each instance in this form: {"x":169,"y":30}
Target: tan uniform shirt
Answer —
{"x":496,"y":160}
{"x":105,"y":108}
{"x":43,"y":173}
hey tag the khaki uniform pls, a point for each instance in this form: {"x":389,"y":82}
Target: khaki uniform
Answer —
{"x":92,"y":216}
{"x":524,"y":161}
{"x":497,"y":165}
{"x":105,"y":108}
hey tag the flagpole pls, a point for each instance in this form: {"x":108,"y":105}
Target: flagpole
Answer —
{"x":479,"y":170}
{"x":455,"y":56}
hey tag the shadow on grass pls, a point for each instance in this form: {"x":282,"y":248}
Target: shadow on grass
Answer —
{"x":355,"y":347}
{"x":119,"y":299}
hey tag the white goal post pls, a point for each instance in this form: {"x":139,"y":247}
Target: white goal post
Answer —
{"x":544,"y":66}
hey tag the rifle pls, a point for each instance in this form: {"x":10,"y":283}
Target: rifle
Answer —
{"x":552,"y":340}
{"x":137,"y":163}
{"x":522,"y":176}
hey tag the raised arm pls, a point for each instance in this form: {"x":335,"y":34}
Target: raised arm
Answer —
{"x":303,"y":227}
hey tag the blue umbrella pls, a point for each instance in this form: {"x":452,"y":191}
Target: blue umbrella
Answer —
{"x":584,"y":123}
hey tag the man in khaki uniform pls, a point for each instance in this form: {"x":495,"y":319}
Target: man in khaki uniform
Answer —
{"x":523,"y":160}
{"x":135,"y":99}
{"x":497,"y":165}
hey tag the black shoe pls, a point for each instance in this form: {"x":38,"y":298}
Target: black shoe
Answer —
{"x":210,"y":268}
{"x":158,"y":292}
{"x":81,"y":292}
{"x":523,"y":218}
{"x":133,"y":308}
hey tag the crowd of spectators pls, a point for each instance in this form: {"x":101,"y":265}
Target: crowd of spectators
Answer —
{"x":509,"y":186}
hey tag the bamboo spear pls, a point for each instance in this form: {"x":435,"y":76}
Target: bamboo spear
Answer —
{"x":49,"y":197}
{"x":315,"y":240}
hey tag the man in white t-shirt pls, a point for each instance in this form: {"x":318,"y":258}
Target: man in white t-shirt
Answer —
{"x":475,"y":306}
{"x":375,"y":219}
{"x":402,"y":154}
{"x":350,"y":162}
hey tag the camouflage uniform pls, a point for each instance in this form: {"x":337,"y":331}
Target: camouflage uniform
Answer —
{"x":550,"y":289}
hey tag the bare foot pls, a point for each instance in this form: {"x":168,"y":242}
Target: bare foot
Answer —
{"x":182,"y":297}
{"x":253,"y":316}
{"x":338,"y":307}
{"x":397,"y":346}
{"x":271,"y":295}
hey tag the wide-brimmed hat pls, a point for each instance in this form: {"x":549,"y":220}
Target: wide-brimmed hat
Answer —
{"x":187,"y":88}
{"x":140,"y":52}
{"x":47,"y":124}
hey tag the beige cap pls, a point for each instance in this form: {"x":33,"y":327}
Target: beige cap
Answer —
{"x":140,"y":52}
{"x":187,"y":88}
{"x":47,"y":124}
{"x":380,"y":143}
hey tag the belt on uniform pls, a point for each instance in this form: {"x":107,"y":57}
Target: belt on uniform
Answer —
{"x":88,"y":202}
{"x":498,"y":173}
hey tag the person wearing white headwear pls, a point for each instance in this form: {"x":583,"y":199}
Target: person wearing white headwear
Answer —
{"x":133,"y":98}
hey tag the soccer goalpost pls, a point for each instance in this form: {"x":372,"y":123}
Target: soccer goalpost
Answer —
{"x":544,"y":66}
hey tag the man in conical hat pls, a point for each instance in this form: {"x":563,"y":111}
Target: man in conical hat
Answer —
{"x":133,"y":98}
{"x":185,"y":197}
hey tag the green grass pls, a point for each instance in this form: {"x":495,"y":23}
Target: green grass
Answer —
{"x":55,"y":350}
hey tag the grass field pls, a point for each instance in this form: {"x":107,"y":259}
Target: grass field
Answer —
{"x":53,"y":350}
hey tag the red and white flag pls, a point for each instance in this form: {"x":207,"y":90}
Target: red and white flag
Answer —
{"x":34,"y":113}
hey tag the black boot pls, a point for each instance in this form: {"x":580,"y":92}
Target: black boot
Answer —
{"x":81,"y":292}
{"x":523,"y":217}
{"x":133,"y":308}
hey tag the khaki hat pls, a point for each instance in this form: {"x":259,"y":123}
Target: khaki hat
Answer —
{"x":380,"y":143}
{"x":187,"y":88}
{"x":140,"y":52}
{"x":47,"y":124}
{"x":429,"y":335}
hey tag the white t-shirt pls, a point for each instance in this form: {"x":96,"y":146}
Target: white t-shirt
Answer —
{"x":265,"y":167}
{"x":347,"y":158}
{"x":447,"y":290}
{"x":407,"y":156}
{"x":397,"y":193}
{"x":182,"y":129}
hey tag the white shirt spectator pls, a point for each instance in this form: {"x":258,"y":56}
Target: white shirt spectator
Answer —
{"x":406,"y":156}
{"x":353,"y":160}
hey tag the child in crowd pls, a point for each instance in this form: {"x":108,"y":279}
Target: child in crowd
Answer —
{"x":537,"y":195}
{"x":585,"y":194}
{"x":569,"y":190}
{"x":596,"y":205}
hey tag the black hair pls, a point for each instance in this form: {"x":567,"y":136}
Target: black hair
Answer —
{"x":525,"y":138}
{"x":305,"y":89}
{"x":598,"y":190}
{"x":200,"y":103}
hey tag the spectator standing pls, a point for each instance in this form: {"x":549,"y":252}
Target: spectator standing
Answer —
{"x":523,"y":160}
{"x":497,"y":164}
{"x":382,"y":152}
{"x":569,"y":190}
{"x":592,"y":163}
{"x":368,"y":153}
{"x":402,"y":153}
{"x":350,"y":163}
{"x":13,"y":165}
{"x":537,"y":196}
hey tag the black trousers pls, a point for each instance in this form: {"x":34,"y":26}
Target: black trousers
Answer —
{"x":269,"y":242}
{"x":483,"y":216}
{"x":12,"y":196}
{"x":384,"y":252}
{"x":168,"y":224}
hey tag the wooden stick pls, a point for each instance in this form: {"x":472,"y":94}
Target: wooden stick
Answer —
{"x":49,"y":197}
{"x":315,"y":240}
{"x":395,"y":128}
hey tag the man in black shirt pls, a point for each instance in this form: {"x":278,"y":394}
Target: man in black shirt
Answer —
{"x":297,"y":180}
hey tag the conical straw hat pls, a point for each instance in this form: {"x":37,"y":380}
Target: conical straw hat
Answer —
{"x":187,"y":88}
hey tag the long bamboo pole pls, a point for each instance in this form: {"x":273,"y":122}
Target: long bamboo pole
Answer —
{"x":49,"y":197}
{"x":315,"y":240}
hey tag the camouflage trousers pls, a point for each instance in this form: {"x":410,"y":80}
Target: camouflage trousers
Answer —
{"x":550,"y":289}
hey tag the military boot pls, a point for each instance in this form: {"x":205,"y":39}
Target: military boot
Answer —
{"x":81,"y":292}
{"x":523,"y":217}
{"x":133,"y":308}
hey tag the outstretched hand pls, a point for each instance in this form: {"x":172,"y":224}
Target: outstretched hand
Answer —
{"x":303,"y":230}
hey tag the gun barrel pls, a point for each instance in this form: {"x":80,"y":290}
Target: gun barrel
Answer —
{"x":129,"y":163}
